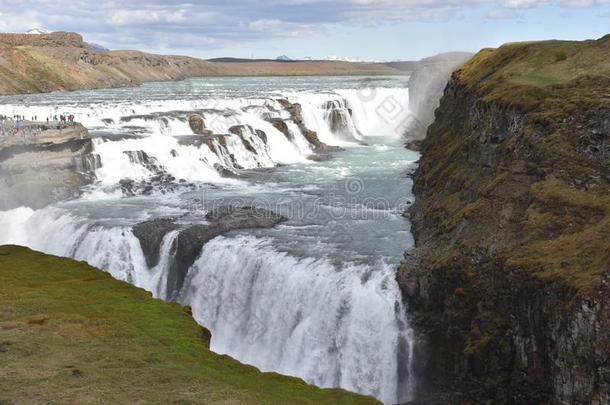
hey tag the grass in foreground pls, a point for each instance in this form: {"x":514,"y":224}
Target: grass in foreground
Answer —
{"x":70,"y":333}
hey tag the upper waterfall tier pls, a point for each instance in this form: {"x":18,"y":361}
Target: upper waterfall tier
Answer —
{"x":205,"y":130}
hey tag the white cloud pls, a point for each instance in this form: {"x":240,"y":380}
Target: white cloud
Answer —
{"x":583,"y":3}
{"x":206,"y":24}
{"x":138,"y":17}
{"x":502,"y":14}
{"x":525,"y":3}
{"x":275,"y":27}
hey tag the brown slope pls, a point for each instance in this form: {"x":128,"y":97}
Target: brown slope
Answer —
{"x":63,"y":61}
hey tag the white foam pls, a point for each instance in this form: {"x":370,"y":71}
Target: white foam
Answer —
{"x":302,"y":317}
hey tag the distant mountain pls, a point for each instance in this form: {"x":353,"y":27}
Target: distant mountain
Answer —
{"x":283,"y":58}
{"x":340,"y":58}
{"x":336,"y":58}
{"x":38,"y":30}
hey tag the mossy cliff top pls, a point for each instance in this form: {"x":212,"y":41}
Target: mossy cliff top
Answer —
{"x":69,"y":333}
{"x":545,"y":75}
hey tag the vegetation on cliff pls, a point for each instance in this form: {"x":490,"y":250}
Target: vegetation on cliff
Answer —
{"x":70,"y":333}
{"x":509,"y":279}
{"x":552,"y":153}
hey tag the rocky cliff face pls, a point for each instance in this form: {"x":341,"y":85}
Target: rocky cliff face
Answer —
{"x":509,"y":284}
{"x":50,"y":166}
{"x":51,"y":39}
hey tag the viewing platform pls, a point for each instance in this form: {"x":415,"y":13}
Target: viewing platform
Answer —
{"x":14,"y":133}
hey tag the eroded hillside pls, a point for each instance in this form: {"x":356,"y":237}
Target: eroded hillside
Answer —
{"x":63,"y":61}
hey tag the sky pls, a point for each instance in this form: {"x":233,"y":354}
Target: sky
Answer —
{"x":356,"y":29}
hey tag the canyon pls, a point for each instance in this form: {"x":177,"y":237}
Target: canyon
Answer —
{"x":278,"y":212}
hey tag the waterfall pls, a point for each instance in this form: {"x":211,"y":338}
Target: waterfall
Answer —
{"x":160,"y":129}
{"x":334,"y":327}
{"x":378,"y":111}
{"x":332,"y":324}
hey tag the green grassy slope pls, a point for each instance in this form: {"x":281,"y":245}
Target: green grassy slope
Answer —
{"x":70,"y":333}
{"x":554,"y":76}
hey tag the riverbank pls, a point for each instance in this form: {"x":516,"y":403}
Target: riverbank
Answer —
{"x":69,"y":333}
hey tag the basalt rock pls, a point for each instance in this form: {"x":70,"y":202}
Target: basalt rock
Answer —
{"x":508,"y":287}
{"x":240,"y":130}
{"x":191,"y":238}
{"x":280,"y":125}
{"x":310,"y":136}
{"x":198,"y":125}
{"x":414,"y":144}
{"x":190,"y":241}
{"x":335,"y":116}
{"x":151,"y":234}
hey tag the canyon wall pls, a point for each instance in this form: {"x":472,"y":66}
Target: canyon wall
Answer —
{"x":508,"y":285}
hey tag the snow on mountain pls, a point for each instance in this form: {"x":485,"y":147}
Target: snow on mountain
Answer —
{"x":38,"y":30}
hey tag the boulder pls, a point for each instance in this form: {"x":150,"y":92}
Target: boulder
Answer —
{"x":191,"y":239}
{"x":151,"y":234}
{"x":197,"y":125}
{"x":239,"y":131}
{"x":311,"y":136}
{"x":281,"y":126}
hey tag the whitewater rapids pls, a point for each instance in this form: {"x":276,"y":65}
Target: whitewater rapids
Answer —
{"x":291,"y":299}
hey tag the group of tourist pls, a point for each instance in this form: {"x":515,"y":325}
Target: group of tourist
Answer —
{"x":12,"y":125}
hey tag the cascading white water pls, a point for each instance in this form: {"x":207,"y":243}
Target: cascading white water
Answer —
{"x":366,"y":112}
{"x":335,"y":325}
{"x":378,"y":111}
{"x":303,"y":317}
{"x":160,"y":126}
{"x":55,"y":231}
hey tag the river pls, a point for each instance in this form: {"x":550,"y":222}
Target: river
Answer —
{"x":314,"y":297}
